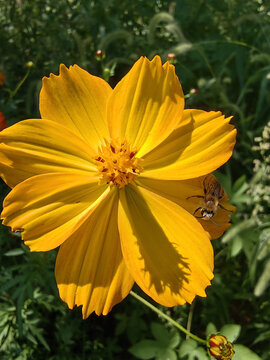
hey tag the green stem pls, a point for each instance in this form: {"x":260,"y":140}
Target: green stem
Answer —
{"x":168,"y":318}
{"x":190,"y":316}
{"x":14,"y":92}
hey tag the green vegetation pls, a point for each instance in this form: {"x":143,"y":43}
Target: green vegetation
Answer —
{"x":222,"y":49}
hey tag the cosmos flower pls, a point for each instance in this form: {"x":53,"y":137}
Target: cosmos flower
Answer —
{"x":105,"y":175}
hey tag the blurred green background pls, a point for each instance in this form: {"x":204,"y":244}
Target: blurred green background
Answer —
{"x":222,"y":57}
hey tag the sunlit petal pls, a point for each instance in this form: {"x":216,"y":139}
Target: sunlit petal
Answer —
{"x":90,"y":270}
{"x":33,"y":147}
{"x":146,"y":105}
{"x":202,"y":142}
{"x":165,"y":248}
{"x":48,"y":208}
{"x":77,"y":100}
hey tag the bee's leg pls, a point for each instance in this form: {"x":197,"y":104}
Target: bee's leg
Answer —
{"x":196,"y":196}
{"x":223,"y":208}
{"x":199,"y":208}
{"x":214,"y":222}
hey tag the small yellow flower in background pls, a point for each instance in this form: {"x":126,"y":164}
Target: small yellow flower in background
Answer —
{"x":220,"y":348}
{"x":105,"y":175}
{"x":2,"y":78}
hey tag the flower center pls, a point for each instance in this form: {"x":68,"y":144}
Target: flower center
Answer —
{"x":117,"y":164}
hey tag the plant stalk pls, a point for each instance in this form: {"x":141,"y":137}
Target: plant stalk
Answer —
{"x":168,"y":318}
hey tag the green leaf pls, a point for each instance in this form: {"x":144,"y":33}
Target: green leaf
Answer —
{"x":263,"y":281}
{"x":240,"y":185}
{"x":14,"y":252}
{"x":187,"y":347}
{"x":166,"y":354}
{"x":237,"y":229}
{"x":160,"y":333}
{"x":231,"y":331}
{"x":145,"y":349}
{"x":174,"y":340}
{"x":211,"y":329}
{"x":199,"y":353}
{"x":237,"y":245}
{"x":244,"y":353}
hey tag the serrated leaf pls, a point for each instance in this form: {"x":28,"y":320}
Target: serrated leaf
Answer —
{"x":231,"y":331}
{"x":145,"y":349}
{"x":244,"y":353}
{"x":187,"y":347}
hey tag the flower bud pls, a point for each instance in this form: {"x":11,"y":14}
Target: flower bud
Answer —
{"x":171,"y":58}
{"x":220,"y":348}
{"x":100,"y":55}
{"x":29,"y":64}
{"x":193,"y":91}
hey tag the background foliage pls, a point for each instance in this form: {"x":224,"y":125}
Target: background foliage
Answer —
{"x":222,"y":51}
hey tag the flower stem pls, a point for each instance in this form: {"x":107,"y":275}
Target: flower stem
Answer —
{"x":168,"y":318}
{"x":14,"y":92}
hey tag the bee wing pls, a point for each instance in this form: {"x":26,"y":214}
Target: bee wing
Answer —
{"x":213,"y":187}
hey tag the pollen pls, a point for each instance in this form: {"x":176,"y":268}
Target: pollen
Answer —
{"x":117,"y":163}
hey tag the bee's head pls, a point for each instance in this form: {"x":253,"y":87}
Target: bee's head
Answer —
{"x":207,"y":214}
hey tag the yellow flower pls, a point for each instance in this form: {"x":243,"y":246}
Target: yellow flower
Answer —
{"x":106,"y":174}
{"x":220,"y":348}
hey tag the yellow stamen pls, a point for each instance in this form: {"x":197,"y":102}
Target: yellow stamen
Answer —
{"x":117,"y":164}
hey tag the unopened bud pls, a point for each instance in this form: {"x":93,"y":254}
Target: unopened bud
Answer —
{"x":29,"y":64}
{"x":100,"y":55}
{"x":220,"y":348}
{"x":193,"y":91}
{"x":171,"y":56}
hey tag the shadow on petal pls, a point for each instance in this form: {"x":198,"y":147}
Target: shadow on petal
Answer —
{"x":158,"y":252}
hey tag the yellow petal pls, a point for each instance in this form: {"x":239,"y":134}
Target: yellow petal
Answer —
{"x":48,"y":208}
{"x":33,"y":147}
{"x":179,"y":190}
{"x":202,"y":142}
{"x":165,"y":249}
{"x":146,"y":105}
{"x":90,"y":270}
{"x":77,"y":100}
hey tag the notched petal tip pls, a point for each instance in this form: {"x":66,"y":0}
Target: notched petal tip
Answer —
{"x":145,"y":105}
{"x":78,"y":100}
{"x":202,"y":142}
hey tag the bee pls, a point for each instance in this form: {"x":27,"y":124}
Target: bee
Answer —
{"x":213,"y":194}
